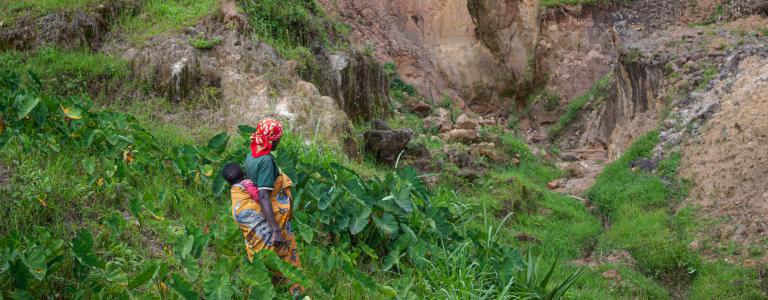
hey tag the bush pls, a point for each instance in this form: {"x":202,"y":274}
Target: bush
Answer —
{"x":203,"y":43}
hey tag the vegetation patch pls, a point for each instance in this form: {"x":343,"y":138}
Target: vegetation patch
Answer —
{"x":13,"y":9}
{"x":204,"y":43}
{"x":598,"y":91}
{"x":68,"y":72}
{"x":156,"y":17}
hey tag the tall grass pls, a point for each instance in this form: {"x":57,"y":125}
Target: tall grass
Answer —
{"x":158,"y":17}
{"x":13,"y":9}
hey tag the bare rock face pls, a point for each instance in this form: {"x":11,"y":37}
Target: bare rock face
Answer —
{"x":386,"y":145}
{"x":251,"y":80}
{"x":355,"y":80}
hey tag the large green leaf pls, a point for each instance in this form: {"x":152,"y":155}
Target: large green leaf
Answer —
{"x":22,"y":295}
{"x":289,"y":271}
{"x":365,"y":281}
{"x":183,"y":246}
{"x":150,"y":271}
{"x":183,"y":288}
{"x":360,"y":220}
{"x":191,"y":269}
{"x":24,"y":104}
{"x":392,"y":258}
{"x":219,"y":142}
{"x":82,"y":247}
{"x":218,"y":287}
{"x":89,"y":165}
{"x":113,"y":272}
{"x":387,"y":223}
{"x":256,"y":276}
{"x":219,"y":185}
{"x":403,"y":198}
{"x":34,"y":259}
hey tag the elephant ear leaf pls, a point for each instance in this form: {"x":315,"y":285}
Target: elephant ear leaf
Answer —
{"x":360,"y":220}
{"x":82,"y":246}
{"x":403,"y":198}
{"x":219,"y":142}
{"x":218,"y":287}
{"x":24,"y":104}
{"x":387,"y":224}
{"x":183,"y":288}
{"x":34,"y":259}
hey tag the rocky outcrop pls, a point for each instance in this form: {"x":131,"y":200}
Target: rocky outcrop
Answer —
{"x":355,"y":80}
{"x":446,"y":48}
{"x":631,"y":109}
{"x":743,"y":8}
{"x":387,"y":144}
{"x":249,"y":78}
{"x":64,"y":29}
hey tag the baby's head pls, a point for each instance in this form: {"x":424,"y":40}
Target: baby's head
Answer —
{"x":233,"y":173}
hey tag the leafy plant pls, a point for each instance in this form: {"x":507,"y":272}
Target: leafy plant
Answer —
{"x":204,"y":43}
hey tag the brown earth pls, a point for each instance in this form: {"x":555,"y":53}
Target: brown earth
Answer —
{"x":728,"y":162}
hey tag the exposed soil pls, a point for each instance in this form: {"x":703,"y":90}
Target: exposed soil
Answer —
{"x":728,"y":162}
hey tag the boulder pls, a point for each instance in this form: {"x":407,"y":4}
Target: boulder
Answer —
{"x":488,"y":150}
{"x":464,"y":136}
{"x":441,"y":120}
{"x":386,"y":145}
{"x":420,"y":108}
{"x":464,"y":122}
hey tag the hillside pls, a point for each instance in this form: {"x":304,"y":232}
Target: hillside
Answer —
{"x":461,"y":149}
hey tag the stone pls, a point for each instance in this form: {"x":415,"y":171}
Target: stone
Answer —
{"x":421,"y":109}
{"x":694,"y":245}
{"x":441,"y":124}
{"x":488,"y":150}
{"x":568,"y":157}
{"x":459,"y":156}
{"x":464,"y":122}
{"x":379,"y":125}
{"x":464,"y":136}
{"x":554,"y":184}
{"x":612,"y":274}
{"x":524,"y":237}
{"x":386,"y":145}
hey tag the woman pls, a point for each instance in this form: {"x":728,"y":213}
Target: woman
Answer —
{"x":266,"y":223}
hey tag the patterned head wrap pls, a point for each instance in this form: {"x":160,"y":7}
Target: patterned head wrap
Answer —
{"x":267,"y":131}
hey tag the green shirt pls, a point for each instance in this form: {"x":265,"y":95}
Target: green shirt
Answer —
{"x":262,"y":171}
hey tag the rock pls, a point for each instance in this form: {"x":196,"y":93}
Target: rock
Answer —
{"x":568,"y":157}
{"x":465,"y":136}
{"x":612,"y":274}
{"x":642,"y":164}
{"x":420,"y":108}
{"x":464,"y":122}
{"x":386,"y":145}
{"x":515,"y":161}
{"x":470,"y":174}
{"x":379,"y":125}
{"x":524,"y":237}
{"x":441,"y":120}
{"x":750,"y":263}
{"x":694,"y":245}
{"x":459,"y":156}
{"x":355,"y":80}
{"x":488,"y":150}
{"x":554,"y":184}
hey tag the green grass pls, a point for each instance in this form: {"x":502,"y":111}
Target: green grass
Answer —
{"x":158,"y":17}
{"x":721,"y":280}
{"x":633,"y":285}
{"x":68,"y":72}
{"x":203,"y":43}
{"x":598,"y":91}
{"x":13,"y":9}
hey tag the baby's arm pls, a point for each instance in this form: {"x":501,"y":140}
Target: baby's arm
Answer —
{"x":252,"y":189}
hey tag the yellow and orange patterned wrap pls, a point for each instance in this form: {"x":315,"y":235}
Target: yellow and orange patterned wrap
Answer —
{"x":256,"y":230}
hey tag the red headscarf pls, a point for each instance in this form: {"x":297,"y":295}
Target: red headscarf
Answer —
{"x":267,"y":131}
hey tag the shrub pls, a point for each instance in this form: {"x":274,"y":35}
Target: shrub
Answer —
{"x":204,"y":43}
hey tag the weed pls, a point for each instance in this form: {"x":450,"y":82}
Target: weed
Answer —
{"x":721,"y":280}
{"x":204,"y":43}
{"x":164,"y":16}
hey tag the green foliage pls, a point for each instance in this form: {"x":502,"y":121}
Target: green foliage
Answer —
{"x":597,"y":92}
{"x":156,"y":17}
{"x":116,"y":163}
{"x":204,"y":43}
{"x":709,"y":73}
{"x":67,"y":72}
{"x":399,"y":90}
{"x":721,"y":280}
{"x":291,"y":26}
{"x":648,"y":236}
{"x":618,"y":185}
{"x":12,"y":10}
